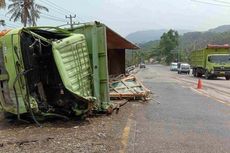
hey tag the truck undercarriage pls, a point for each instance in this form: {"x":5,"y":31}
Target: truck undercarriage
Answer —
{"x":42,"y":78}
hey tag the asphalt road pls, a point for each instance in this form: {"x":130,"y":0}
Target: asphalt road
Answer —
{"x":178,"y":119}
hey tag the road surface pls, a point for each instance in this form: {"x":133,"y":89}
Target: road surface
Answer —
{"x":181,"y":118}
{"x":178,"y":119}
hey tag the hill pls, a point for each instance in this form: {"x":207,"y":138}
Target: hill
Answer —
{"x":221,"y":29}
{"x":149,"y":35}
{"x":197,"y":40}
{"x":187,"y":42}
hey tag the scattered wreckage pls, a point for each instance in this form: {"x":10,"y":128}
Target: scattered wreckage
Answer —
{"x":54,"y":72}
{"x":129,"y":87}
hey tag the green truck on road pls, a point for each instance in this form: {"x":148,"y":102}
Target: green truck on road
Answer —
{"x":213,"y":61}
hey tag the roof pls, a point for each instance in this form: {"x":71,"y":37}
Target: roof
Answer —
{"x":116,"y":41}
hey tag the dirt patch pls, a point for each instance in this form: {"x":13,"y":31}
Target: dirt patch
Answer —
{"x":95,"y":134}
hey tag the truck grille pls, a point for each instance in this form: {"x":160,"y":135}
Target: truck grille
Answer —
{"x":221,"y":68}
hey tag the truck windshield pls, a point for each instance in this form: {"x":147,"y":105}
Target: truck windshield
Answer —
{"x":219,"y":59}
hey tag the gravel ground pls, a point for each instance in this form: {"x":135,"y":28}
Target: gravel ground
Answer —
{"x":95,"y":134}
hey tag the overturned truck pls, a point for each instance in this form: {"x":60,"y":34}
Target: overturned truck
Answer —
{"x":49,"y":71}
{"x":45,"y":72}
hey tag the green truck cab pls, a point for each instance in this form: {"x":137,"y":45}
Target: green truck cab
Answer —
{"x":45,"y":71}
{"x":213,"y":61}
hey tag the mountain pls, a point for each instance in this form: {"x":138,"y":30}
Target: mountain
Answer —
{"x":145,"y":36}
{"x":197,"y":40}
{"x":188,"y":42}
{"x":191,"y":41}
{"x":221,"y":29}
{"x":149,"y":35}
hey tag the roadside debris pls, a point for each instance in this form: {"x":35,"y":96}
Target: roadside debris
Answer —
{"x":118,"y":103}
{"x":24,"y":142}
{"x":122,"y":87}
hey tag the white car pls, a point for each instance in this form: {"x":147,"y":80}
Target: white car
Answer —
{"x":173,"y":67}
{"x":183,"y":68}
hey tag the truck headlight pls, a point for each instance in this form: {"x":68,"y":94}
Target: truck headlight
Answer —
{"x":212,"y":71}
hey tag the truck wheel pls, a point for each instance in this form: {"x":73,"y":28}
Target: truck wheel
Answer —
{"x":199,"y":75}
{"x":227,"y":77}
{"x":9,"y":116}
{"x":206,"y":75}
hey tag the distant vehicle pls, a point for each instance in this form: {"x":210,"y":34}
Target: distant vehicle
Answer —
{"x":173,"y":66}
{"x":142,"y":65}
{"x":129,"y":69}
{"x":183,"y":68}
{"x":213,"y":61}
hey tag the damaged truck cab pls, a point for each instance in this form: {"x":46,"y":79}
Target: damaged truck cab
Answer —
{"x":45,"y":71}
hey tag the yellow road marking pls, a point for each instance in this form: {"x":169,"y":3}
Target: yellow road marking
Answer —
{"x":125,"y":136}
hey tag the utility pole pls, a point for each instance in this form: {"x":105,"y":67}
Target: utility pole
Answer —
{"x":70,"y":17}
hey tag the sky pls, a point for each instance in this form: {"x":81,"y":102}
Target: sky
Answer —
{"x":127,"y":16}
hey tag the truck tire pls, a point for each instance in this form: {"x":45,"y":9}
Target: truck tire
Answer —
{"x":206,"y":75}
{"x":227,"y":77}
{"x":199,"y":75}
{"x":9,"y":116}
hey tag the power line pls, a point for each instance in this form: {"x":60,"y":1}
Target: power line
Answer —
{"x":54,"y":17}
{"x":4,"y":15}
{"x":9,"y":26}
{"x":61,"y":8}
{"x":50,"y":18}
{"x":46,"y":16}
{"x":220,"y":1}
{"x":58,"y":7}
{"x":54,"y":8}
{"x":11,"y":23}
{"x":209,"y":3}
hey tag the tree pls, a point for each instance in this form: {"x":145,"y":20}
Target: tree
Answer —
{"x":2,"y":4}
{"x":36,"y":11}
{"x":168,"y":42}
{"x":25,"y":10}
